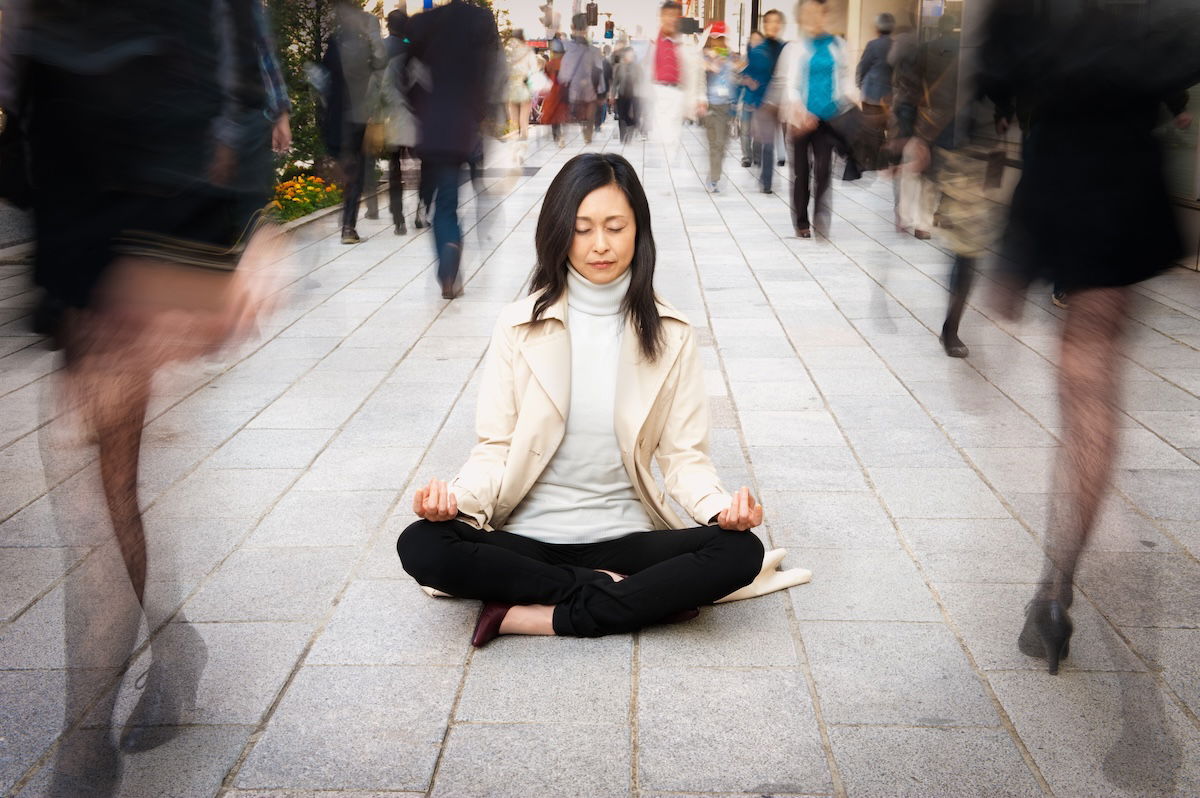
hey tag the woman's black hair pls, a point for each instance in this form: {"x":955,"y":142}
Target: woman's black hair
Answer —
{"x":579,"y":177}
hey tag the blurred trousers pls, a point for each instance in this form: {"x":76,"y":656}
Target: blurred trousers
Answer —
{"x":667,"y":570}
{"x":716,"y":123}
{"x":353,"y":163}
{"x":444,"y":174}
{"x":820,"y":141}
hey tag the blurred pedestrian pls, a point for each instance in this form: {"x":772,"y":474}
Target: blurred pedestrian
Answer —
{"x":745,"y":109}
{"x":604,"y":99}
{"x":720,"y":83}
{"x":914,"y":196}
{"x":943,"y":144}
{"x":458,"y":43}
{"x":556,"y":106}
{"x":521,"y":66}
{"x":816,"y":89}
{"x":395,"y":111}
{"x":874,"y":80}
{"x":676,"y":81}
{"x":354,"y":57}
{"x":582,"y":72}
{"x":757,"y":77}
{"x":1092,"y":215}
{"x":153,"y":237}
{"x":626,"y":82}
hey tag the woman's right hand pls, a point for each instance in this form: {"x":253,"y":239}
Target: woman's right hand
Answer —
{"x":435,"y":502}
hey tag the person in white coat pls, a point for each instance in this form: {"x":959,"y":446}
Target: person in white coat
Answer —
{"x":674,"y":75}
{"x":816,"y":80}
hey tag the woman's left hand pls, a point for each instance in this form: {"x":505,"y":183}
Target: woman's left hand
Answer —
{"x":742,"y":514}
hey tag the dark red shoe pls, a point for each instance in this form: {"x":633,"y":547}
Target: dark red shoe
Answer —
{"x":487,"y":628}
{"x":682,"y":616}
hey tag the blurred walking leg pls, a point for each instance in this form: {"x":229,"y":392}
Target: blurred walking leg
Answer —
{"x":822,"y":155}
{"x":353,"y":166}
{"x":447,"y":234}
{"x":371,"y":187}
{"x":716,"y":124}
{"x":1088,"y":384}
{"x":962,"y":275}
{"x":800,"y":185}
{"x":396,"y":190}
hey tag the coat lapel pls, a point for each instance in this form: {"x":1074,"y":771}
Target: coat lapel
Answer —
{"x":549,"y":358}
{"x":638,"y":383}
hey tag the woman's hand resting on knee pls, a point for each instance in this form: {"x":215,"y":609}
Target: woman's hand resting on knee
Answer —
{"x":437,"y":503}
{"x":744,"y":513}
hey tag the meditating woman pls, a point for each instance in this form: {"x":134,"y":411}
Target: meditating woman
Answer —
{"x":556,"y":521}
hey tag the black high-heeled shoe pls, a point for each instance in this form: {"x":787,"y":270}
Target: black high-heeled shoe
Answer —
{"x":1047,"y":632}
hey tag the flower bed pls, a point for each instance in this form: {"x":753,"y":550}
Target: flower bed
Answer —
{"x":302,"y":195}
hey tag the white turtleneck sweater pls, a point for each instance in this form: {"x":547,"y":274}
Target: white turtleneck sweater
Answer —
{"x":584,"y":495}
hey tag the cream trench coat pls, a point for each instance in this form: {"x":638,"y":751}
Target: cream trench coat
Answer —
{"x":661,"y":410}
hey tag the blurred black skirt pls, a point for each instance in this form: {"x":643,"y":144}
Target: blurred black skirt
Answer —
{"x":121,"y":166}
{"x":1091,"y":209}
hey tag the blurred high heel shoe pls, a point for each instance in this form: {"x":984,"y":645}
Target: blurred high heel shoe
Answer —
{"x":168,"y":688}
{"x":1047,"y":632}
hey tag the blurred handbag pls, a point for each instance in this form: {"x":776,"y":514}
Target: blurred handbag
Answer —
{"x":375,"y":139}
{"x":857,"y":139}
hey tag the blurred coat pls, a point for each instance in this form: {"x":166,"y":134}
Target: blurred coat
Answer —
{"x":459,"y":45}
{"x":554,"y":107}
{"x":874,"y":73}
{"x":1092,"y":207}
{"x":362,"y":56}
{"x":691,"y":73}
{"x":582,"y":71}
{"x":394,"y":110}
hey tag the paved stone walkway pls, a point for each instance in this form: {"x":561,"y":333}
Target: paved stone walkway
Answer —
{"x":912,"y":485}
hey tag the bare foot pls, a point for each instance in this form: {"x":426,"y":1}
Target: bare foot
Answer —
{"x":616,"y":577}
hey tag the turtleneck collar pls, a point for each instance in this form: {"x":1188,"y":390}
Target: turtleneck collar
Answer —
{"x":593,"y":299}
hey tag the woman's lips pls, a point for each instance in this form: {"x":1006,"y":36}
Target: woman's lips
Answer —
{"x":601,"y":264}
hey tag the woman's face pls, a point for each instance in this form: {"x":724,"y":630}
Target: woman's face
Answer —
{"x":771,"y":25}
{"x":603,"y":245}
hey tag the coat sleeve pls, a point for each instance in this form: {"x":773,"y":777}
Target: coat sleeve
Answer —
{"x":691,"y":67}
{"x":682,"y":452}
{"x":792,"y":94}
{"x":477,"y":485}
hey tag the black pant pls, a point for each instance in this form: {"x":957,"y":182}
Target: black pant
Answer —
{"x":353,"y":164}
{"x":667,"y":570}
{"x":820,"y":140}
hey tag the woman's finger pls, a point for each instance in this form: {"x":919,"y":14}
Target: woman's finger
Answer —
{"x":452,"y":502}
{"x":419,"y":502}
{"x":439,"y":498}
